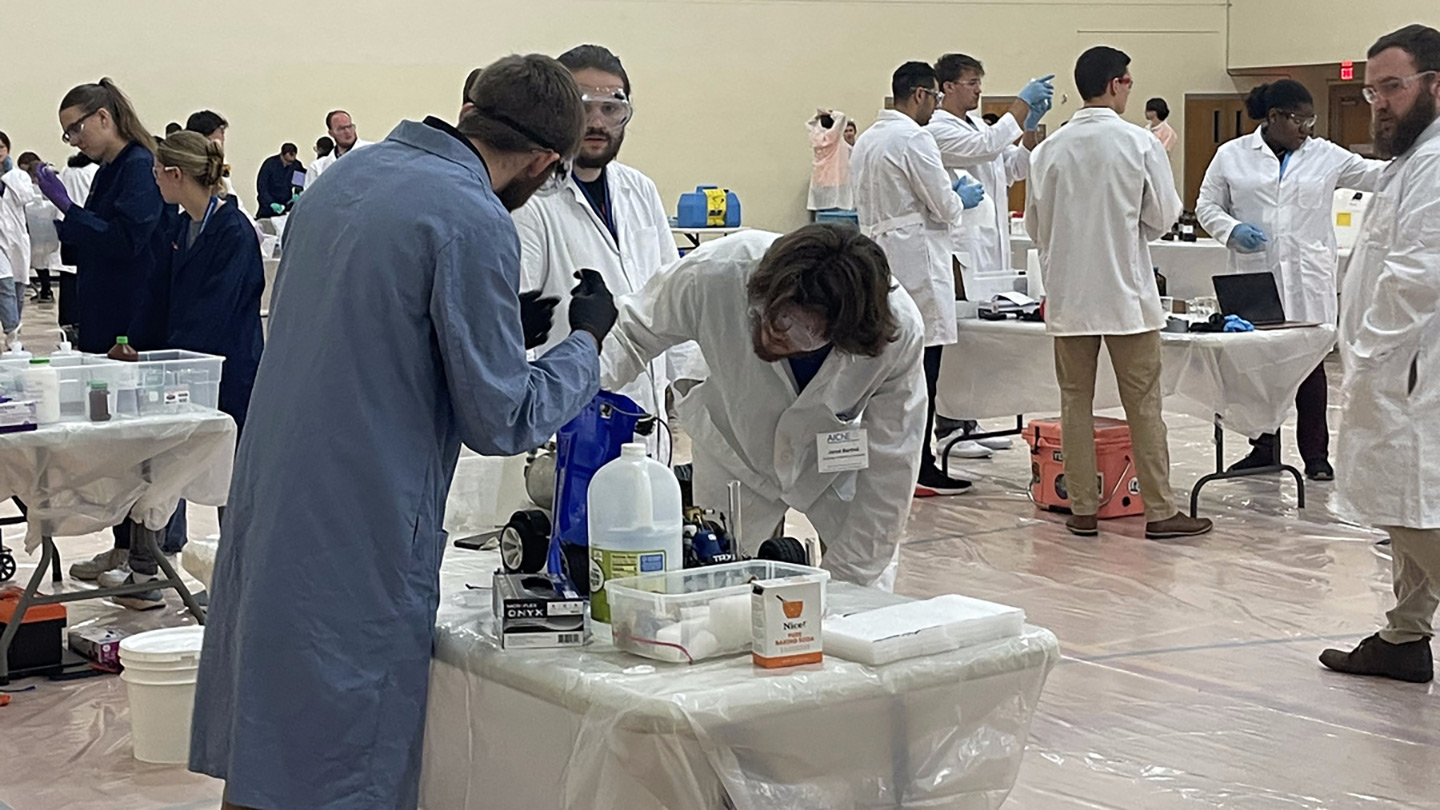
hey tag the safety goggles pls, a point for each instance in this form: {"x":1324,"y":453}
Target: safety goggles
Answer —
{"x":561,"y":167}
{"x":798,"y":330}
{"x":73,"y":131}
{"x":1305,"y":122}
{"x":939,"y":96}
{"x":1387,"y":88}
{"x":610,"y":106}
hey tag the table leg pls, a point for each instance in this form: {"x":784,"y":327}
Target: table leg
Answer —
{"x":47,"y":548}
{"x":1221,"y":474}
{"x":172,"y":579}
{"x":994,"y":434}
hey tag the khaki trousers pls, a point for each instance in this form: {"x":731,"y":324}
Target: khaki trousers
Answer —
{"x":1136,"y":359}
{"x":1416,"y":560}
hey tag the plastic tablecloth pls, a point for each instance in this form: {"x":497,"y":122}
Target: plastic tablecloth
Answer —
{"x":81,"y":477}
{"x":602,"y":730}
{"x":1005,"y":368}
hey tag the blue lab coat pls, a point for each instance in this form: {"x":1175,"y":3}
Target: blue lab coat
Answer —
{"x":206,"y":298}
{"x":275,"y":184}
{"x":395,"y":335}
{"x":109,"y":241}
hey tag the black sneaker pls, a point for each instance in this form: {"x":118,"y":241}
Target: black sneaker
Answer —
{"x":934,"y":483}
{"x":1411,"y":662}
{"x":1319,"y":470}
{"x":1259,"y":457}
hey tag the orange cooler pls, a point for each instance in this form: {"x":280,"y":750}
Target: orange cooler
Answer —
{"x":1114,"y":460}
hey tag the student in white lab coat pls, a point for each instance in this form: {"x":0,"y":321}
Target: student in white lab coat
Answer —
{"x":77,"y":176}
{"x":909,"y":204}
{"x":40,"y":216}
{"x":607,"y":216}
{"x":1389,"y":474}
{"x":971,"y":147}
{"x":346,"y":137}
{"x":806,"y":337}
{"x":1268,"y":196}
{"x":15,"y":191}
{"x":1100,"y":284}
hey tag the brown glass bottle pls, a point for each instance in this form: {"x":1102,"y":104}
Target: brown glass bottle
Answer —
{"x":122,"y":350}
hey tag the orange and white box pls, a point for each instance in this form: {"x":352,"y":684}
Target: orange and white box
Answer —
{"x":786,"y":617}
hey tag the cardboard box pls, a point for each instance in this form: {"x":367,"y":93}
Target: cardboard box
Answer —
{"x":99,"y":644}
{"x":786,"y":616}
{"x":531,"y":613}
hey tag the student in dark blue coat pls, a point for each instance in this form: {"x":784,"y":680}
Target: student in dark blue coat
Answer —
{"x":108,"y":239}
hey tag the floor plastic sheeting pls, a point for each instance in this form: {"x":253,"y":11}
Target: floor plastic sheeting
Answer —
{"x":1189,"y":678}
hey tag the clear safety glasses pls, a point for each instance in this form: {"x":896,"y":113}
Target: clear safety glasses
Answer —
{"x":610,"y":106}
{"x":800,"y":331}
{"x":1387,"y":88}
{"x":1303,"y":122}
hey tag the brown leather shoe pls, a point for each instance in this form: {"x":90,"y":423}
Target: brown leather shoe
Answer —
{"x":1410,"y":662}
{"x":1083,"y":525}
{"x":1181,"y":525}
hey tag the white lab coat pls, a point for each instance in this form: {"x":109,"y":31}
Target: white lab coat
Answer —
{"x":989,"y":155}
{"x":1100,"y":189}
{"x":560,"y":233}
{"x":747,"y":417}
{"x":319,"y":165}
{"x":904,"y":200}
{"x":77,"y":182}
{"x":1244,"y":184}
{"x":14,"y":235}
{"x":1389,"y":455}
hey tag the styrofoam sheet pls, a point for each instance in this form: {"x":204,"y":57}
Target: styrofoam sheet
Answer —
{"x":926,"y":627}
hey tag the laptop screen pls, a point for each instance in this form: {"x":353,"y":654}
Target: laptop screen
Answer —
{"x":1252,"y":296}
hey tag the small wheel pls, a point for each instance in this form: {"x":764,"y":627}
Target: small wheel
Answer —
{"x":524,"y":542}
{"x":576,"y":562}
{"x":785,"y":550}
{"x":7,"y":565}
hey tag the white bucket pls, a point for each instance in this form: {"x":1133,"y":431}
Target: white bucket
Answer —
{"x":159,"y":676}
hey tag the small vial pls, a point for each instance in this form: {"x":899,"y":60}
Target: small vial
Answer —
{"x":98,"y":405}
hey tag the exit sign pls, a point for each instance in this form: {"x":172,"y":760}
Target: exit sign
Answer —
{"x":1347,"y":71}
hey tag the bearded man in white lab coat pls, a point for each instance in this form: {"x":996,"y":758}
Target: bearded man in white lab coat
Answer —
{"x":815,"y":396}
{"x":1389,"y":471}
{"x":909,"y":205}
{"x":607,"y":216}
{"x":1100,"y":189}
{"x":346,"y":137}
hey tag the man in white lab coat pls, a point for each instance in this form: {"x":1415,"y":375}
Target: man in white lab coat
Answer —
{"x":606,"y":216}
{"x":908,"y":204}
{"x":814,"y":399}
{"x":346,"y":137}
{"x":1389,"y":471}
{"x":1101,"y":285}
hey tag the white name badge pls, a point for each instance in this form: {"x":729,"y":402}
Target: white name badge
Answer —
{"x":843,"y":450}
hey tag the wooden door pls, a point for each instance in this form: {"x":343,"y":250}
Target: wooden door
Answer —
{"x":999,"y":105}
{"x":1350,"y":119}
{"x":1209,"y":122}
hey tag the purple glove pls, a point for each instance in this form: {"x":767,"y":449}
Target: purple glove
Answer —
{"x":52,"y":188}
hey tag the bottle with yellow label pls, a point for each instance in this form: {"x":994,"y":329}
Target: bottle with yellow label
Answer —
{"x":636,"y":524}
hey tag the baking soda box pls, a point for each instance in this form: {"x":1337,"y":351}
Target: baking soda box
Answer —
{"x":786,"y":622}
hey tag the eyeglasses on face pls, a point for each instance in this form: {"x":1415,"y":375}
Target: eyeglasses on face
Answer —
{"x":1389,"y":88}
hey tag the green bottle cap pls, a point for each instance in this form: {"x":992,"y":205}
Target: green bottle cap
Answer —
{"x":122,"y":341}
{"x":39,"y":361}
{"x":99,"y":386}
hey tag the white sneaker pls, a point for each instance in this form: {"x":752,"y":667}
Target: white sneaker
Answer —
{"x":996,"y":443}
{"x":115,"y":577}
{"x":968,"y":449}
{"x":146,"y":600}
{"x":91,"y":569}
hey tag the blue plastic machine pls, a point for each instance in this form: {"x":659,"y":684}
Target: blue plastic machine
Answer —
{"x":584,"y":445}
{"x":708,"y":207}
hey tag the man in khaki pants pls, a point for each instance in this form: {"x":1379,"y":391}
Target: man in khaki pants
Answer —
{"x":1100,"y":189}
{"x":1389,"y":473}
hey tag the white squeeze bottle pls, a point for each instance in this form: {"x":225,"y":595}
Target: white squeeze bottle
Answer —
{"x":636,"y":525}
{"x":42,"y":384}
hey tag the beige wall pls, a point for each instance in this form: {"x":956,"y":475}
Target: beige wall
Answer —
{"x":1309,"y":32}
{"x":721,"y":88}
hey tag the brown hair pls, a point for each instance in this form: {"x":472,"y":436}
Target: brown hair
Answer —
{"x":106,"y":96}
{"x":197,"y":157}
{"x":836,"y":271}
{"x":525,"y":102}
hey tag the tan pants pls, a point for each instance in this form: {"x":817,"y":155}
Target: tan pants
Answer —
{"x":1416,"y":556}
{"x":1136,"y":359}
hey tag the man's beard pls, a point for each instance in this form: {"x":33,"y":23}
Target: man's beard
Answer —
{"x":603,"y":159}
{"x":1408,"y":129}
{"x":518,"y":191}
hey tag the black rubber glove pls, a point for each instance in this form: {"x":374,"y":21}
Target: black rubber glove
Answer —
{"x":592,"y":307}
{"x":537,"y":315}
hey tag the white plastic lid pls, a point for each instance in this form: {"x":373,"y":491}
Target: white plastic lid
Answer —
{"x":171,"y":645}
{"x":632,"y":450}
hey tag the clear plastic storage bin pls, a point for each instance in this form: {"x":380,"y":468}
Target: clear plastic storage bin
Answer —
{"x":76,"y":372}
{"x":171,"y":378}
{"x":162,"y":382}
{"x":694,"y":614}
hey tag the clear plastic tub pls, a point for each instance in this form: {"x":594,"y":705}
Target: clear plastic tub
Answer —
{"x":171,"y":378}
{"x":162,"y":382}
{"x":698,"y":613}
{"x":75,"y":371}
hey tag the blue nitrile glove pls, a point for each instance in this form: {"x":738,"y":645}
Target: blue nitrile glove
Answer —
{"x":1038,"y":90}
{"x":1032,"y":120}
{"x":1235,"y":323}
{"x":1247,"y":238}
{"x":971,"y":193}
{"x":277,"y":208}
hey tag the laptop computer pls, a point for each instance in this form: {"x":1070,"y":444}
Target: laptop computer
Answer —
{"x":1254,"y":297}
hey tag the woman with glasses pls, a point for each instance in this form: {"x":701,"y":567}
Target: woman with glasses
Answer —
{"x":109,"y":236}
{"x":1268,"y":196}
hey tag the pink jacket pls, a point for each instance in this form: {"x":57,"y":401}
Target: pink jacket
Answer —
{"x":830,"y":174}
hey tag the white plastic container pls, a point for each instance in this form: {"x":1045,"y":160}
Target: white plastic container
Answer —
{"x":16,"y":352}
{"x":42,"y":384}
{"x":159,"y":678}
{"x":913,"y":629}
{"x":636,"y":523}
{"x":697,"y":613}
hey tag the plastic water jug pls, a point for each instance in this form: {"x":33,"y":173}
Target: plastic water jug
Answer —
{"x":708,"y":207}
{"x":636,"y":523}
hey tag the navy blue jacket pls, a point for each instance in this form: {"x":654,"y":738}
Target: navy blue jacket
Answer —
{"x":206,"y":298}
{"x":109,"y":241}
{"x":275,"y":184}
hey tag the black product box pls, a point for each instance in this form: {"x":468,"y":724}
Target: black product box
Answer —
{"x":532,"y":612}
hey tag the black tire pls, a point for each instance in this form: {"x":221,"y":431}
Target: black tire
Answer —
{"x":576,"y":560}
{"x":785,"y":550}
{"x":7,"y":566}
{"x":525,"y":542}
